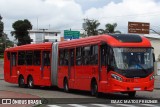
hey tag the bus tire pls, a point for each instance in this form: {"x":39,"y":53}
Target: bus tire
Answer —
{"x":65,"y":85}
{"x":132,"y":94}
{"x":30,"y":82}
{"x":21,"y":82}
{"x":94,"y":88}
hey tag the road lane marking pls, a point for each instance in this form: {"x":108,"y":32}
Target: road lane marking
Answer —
{"x":53,"y":106}
{"x":150,"y":105}
{"x":127,"y":105}
{"x":102,"y":105}
{"x":76,"y":105}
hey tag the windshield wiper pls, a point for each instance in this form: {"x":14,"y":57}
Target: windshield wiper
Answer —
{"x":142,"y":68}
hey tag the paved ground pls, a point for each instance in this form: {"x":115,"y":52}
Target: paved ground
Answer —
{"x":12,"y":94}
{"x":104,"y":105}
{"x":157,"y":82}
{"x":1,"y":69}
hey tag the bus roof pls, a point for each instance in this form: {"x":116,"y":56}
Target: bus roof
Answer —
{"x":114,"y":40}
{"x":39,"y":46}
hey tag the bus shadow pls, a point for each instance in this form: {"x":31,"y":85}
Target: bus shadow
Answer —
{"x":88,"y":94}
{"x":84,"y":93}
{"x":105,"y":95}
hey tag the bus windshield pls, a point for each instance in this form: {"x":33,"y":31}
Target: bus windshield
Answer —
{"x":133,"y":58}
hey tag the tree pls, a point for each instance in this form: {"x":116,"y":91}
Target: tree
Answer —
{"x":21,"y":28}
{"x":1,"y":27}
{"x":110,"y":28}
{"x":91,"y":27}
{"x":2,"y":45}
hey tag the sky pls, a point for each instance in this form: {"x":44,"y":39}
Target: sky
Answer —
{"x":66,"y":14}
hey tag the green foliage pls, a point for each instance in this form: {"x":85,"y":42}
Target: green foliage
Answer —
{"x":1,"y":27}
{"x":9,"y":44}
{"x":5,"y":43}
{"x":2,"y":45}
{"x":91,"y":27}
{"x":110,"y":28}
{"x":21,"y":28}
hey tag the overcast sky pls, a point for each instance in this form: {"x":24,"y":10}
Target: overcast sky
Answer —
{"x":66,"y":14}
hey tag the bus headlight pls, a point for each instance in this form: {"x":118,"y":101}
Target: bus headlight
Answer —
{"x":116,"y":77}
{"x":152,"y":77}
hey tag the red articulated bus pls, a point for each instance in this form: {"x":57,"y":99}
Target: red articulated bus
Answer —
{"x":105,"y":63}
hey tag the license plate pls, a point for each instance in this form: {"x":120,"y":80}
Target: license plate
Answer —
{"x":137,"y":89}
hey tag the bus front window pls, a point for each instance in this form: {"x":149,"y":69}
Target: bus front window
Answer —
{"x":133,"y":58}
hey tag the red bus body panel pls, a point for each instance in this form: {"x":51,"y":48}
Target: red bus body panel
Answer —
{"x":80,"y":76}
{"x":35,"y":71}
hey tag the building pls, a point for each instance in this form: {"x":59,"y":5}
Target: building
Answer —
{"x":39,"y":36}
{"x":155,"y":41}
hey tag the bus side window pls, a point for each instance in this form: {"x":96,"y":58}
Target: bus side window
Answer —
{"x":66,"y":57}
{"x":79,"y":56}
{"x":94,"y":55}
{"x":86,"y":55}
{"x":37,"y":58}
{"x":14,"y":60}
{"x":111,"y":60}
{"x":72,"y":57}
{"x":8,"y":55}
{"x":46,"y":58}
{"x":61,"y":57}
{"x":21,"y":58}
{"x":104,"y":50}
{"x":29,"y":57}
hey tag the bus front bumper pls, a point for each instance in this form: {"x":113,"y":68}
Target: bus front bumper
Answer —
{"x":118,"y":86}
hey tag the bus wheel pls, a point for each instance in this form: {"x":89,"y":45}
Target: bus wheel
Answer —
{"x":132,"y":94}
{"x":30,"y":82}
{"x":94,"y":88}
{"x":21,"y":82}
{"x":66,"y":88}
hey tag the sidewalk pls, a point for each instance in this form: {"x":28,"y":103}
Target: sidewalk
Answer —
{"x":157,"y":82}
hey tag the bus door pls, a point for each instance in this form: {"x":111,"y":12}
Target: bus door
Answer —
{"x":71,"y":68}
{"x":21,"y":67}
{"x":13,"y":64}
{"x":103,"y":65}
{"x":46,"y":65}
{"x":37,"y":65}
{"x":63,"y":66}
